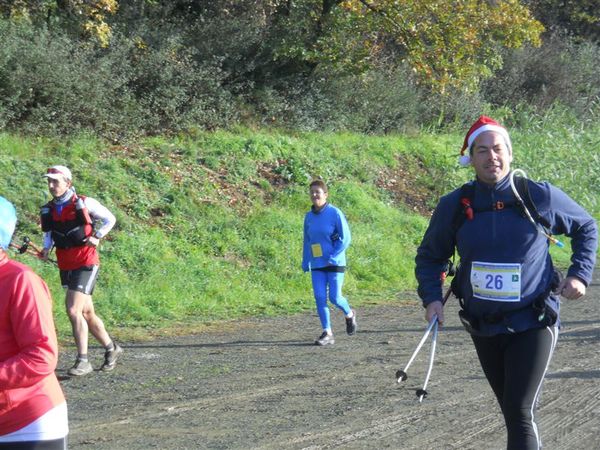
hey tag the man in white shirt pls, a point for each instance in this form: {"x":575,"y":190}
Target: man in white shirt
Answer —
{"x":74,"y":225}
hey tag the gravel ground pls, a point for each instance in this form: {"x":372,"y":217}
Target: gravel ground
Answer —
{"x":261,"y":384}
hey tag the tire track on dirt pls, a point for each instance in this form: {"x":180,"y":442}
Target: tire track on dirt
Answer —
{"x":381,"y":429}
{"x":573,"y":424}
{"x":488,"y":424}
{"x":377,"y":429}
{"x":301,"y":386}
{"x":568,"y":421}
{"x":191,"y":405}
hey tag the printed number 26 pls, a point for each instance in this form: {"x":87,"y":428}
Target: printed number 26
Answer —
{"x":494,"y":282}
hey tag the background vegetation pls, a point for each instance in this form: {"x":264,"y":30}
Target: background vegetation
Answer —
{"x":129,"y":68}
{"x":199,"y":123}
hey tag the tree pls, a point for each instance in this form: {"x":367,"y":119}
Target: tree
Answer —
{"x":450,"y":44}
{"x":581,"y":18}
{"x":87,"y":17}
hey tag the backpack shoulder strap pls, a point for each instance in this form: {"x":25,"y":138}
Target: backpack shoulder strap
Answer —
{"x":464,"y":210}
{"x":522,"y":186}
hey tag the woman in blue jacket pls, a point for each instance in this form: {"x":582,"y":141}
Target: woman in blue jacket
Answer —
{"x":506,"y":281}
{"x":326,"y":238}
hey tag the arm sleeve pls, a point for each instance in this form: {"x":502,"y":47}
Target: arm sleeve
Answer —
{"x":98,"y":212}
{"x":436,"y":248}
{"x":305,"y":247}
{"x":341,"y":243}
{"x":33,"y":329}
{"x":569,"y":218}
{"x":47,"y":240}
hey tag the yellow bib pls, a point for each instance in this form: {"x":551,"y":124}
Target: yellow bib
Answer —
{"x":317,"y":251}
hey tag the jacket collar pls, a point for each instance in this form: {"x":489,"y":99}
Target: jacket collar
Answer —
{"x":499,"y":186}
{"x":312,"y":208}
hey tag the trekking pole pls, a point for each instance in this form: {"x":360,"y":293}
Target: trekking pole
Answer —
{"x":401,"y":375}
{"x":422,"y":393}
{"x":28,"y":243}
{"x":29,"y":247}
{"x":23,"y":249}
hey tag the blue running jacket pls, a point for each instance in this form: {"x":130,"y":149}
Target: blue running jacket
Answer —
{"x":326,"y":238}
{"x":505,"y":264}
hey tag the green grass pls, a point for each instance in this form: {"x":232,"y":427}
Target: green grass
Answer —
{"x":210,"y":224}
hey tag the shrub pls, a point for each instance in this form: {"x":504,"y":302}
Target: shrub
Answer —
{"x":47,"y":83}
{"x":562,"y":71}
{"x":51,"y":84}
{"x":379,"y":101}
{"x":172,"y":92}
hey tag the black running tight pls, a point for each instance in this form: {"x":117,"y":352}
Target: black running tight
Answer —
{"x":56,"y":444}
{"x":515,"y":365}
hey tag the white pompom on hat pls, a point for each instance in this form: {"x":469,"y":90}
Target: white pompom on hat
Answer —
{"x":482,"y":124}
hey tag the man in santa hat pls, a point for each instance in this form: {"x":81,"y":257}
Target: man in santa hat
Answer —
{"x":506,"y":282}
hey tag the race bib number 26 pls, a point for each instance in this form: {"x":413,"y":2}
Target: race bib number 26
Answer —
{"x":499,"y":282}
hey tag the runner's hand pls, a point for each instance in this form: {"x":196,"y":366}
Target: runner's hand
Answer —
{"x":93,"y":241}
{"x":571,"y":288}
{"x":44,"y":254}
{"x":435,"y":308}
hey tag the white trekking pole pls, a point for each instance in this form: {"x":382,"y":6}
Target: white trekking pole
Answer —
{"x":422,"y":393}
{"x":401,"y":375}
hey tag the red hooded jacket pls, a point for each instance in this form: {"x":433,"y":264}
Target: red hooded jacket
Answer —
{"x":28,"y":347}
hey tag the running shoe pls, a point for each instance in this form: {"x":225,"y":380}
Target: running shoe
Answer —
{"x":351,"y":324}
{"x":80,"y":368}
{"x":110,"y":358}
{"x":325,"y":339}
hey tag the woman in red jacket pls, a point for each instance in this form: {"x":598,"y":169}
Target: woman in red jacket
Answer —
{"x":33,"y":411}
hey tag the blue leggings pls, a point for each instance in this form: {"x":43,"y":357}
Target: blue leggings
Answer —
{"x":320,"y":281}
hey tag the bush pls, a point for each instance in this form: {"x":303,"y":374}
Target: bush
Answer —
{"x":163,"y":75}
{"x":562,"y":71}
{"x":379,"y":101}
{"x":47,"y":83}
{"x":51,"y":84}
{"x":170,"y":91}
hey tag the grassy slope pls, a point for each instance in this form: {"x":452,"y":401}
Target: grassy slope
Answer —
{"x":209,"y":225}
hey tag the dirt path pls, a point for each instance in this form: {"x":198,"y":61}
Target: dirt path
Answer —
{"x":262,"y":384}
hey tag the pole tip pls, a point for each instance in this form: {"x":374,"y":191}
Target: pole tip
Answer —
{"x":401,"y":375}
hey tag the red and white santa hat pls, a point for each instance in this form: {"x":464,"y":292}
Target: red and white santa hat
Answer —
{"x":482,"y":124}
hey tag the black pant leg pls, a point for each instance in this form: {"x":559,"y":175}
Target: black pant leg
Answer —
{"x":55,"y":444}
{"x":515,"y":366}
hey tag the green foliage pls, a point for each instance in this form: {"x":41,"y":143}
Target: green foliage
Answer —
{"x":563,"y":71}
{"x":580,"y":18}
{"x":372,"y":102}
{"x":209,"y":222}
{"x":309,"y":65}
{"x":445,"y":42}
{"x":562,"y":134}
{"x":86,"y":18}
{"x":50,"y":83}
